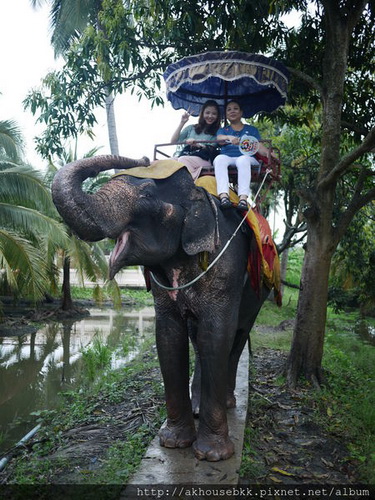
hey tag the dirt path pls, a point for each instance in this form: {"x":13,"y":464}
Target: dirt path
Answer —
{"x":290,"y":447}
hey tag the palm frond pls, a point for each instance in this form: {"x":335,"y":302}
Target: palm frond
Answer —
{"x":6,"y":163}
{"x":23,"y":264}
{"x":88,"y":259}
{"x":32,"y":222}
{"x":114,"y":292}
{"x":11,"y":140}
{"x":24,"y":186}
{"x":92,"y":152}
{"x":68,"y":19}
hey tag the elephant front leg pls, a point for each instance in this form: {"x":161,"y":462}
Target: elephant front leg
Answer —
{"x":173,"y":352}
{"x":213,"y":441}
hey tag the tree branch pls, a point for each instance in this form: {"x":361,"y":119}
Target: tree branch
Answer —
{"x":351,"y":13}
{"x":291,"y":285}
{"x":290,"y":233}
{"x":356,"y":204}
{"x":355,"y":14}
{"x":354,"y":128}
{"x":300,"y":75}
{"x":347,"y":160}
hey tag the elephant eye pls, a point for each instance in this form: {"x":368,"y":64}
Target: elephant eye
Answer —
{"x":146,"y":195}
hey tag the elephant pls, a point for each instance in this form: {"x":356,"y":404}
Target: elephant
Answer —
{"x":170,"y":226}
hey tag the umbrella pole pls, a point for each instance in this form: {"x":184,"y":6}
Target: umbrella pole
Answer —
{"x":225,"y":102}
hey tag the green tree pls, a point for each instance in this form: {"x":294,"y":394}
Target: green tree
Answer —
{"x":330,"y":58}
{"x":28,"y":227}
{"x":11,"y":141}
{"x":353,"y":265}
{"x":337,"y":23}
{"x":92,"y":75}
{"x":69,"y":19}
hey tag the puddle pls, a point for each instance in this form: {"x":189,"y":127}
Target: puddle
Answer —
{"x":34,"y":368}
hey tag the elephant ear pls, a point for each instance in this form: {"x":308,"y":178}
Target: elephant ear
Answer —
{"x":200,"y":232}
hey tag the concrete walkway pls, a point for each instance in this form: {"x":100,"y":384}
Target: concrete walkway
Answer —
{"x":164,"y":467}
{"x":127,"y":278}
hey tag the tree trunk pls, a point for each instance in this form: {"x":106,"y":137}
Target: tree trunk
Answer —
{"x":307,"y":345}
{"x":283,"y":267}
{"x":306,"y":353}
{"x":67,"y":303}
{"x":111,"y":124}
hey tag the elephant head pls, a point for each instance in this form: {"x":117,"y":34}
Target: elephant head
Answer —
{"x":151,"y":220}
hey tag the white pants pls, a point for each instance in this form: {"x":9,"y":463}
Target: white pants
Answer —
{"x":243,"y":164}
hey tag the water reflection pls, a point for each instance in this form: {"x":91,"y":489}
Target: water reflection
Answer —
{"x":34,"y":368}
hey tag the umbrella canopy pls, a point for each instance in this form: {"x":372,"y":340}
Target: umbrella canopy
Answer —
{"x":257,"y":82}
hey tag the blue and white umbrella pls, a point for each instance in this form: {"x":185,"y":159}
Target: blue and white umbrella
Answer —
{"x":257,"y":82}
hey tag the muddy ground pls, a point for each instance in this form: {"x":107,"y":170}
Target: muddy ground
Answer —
{"x":290,"y":447}
{"x":287,"y":445}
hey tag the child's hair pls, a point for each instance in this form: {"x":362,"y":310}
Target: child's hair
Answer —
{"x":202,"y":126}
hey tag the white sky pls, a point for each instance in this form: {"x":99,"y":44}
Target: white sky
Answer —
{"x":26,"y":57}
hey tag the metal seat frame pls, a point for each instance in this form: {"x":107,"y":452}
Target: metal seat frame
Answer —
{"x":257,"y":172}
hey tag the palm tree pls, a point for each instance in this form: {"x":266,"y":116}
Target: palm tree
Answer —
{"x":69,"y":19}
{"x":11,"y":141}
{"x":29,"y":230}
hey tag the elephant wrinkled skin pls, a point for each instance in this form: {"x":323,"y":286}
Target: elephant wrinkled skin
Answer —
{"x":166,"y":225}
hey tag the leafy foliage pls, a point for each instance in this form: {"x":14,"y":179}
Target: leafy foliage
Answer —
{"x":353,"y":266}
{"x":98,"y":62}
{"x":11,"y":141}
{"x":29,"y":231}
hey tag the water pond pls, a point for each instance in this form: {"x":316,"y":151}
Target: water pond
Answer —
{"x":35,"y":367}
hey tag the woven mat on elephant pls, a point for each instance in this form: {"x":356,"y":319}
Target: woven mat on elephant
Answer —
{"x":264,"y":267}
{"x":159,"y":169}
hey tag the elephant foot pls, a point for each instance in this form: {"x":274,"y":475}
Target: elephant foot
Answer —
{"x":213,"y":449}
{"x":176,"y":436}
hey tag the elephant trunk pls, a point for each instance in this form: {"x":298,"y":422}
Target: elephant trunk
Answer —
{"x":81,"y":211}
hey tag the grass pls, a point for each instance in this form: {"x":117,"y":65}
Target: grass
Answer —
{"x":84,"y":407}
{"x":129,"y":295}
{"x":95,"y":358}
{"x":346,"y":406}
{"x":251,"y":465}
{"x":270,"y":317}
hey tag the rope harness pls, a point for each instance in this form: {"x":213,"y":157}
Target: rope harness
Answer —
{"x":186,"y":285}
